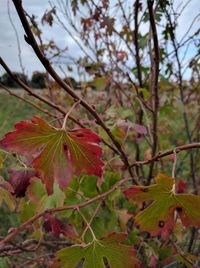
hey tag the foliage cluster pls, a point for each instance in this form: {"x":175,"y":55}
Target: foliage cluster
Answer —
{"x":37,"y":80}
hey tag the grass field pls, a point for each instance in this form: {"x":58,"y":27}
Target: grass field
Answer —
{"x":13,"y":110}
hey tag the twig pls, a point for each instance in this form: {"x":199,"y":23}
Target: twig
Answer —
{"x":174,"y":165}
{"x":17,"y":38}
{"x":181,"y":253}
{"x":139,"y":76}
{"x":154,"y":83}
{"x":87,"y":224}
{"x":147,"y":118}
{"x":91,"y":220}
{"x":137,"y":52}
{"x":192,"y":239}
{"x":169,"y":152}
{"x":68,"y":113}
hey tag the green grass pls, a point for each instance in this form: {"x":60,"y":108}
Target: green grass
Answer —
{"x":13,"y":110}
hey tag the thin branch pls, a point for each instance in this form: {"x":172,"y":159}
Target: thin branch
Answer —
{"x":174,"y":165}
{"x":68,"y":114}
{"x":17,"y":38}
{"x":87,"y":224}
{"x":73,"y":37}
{"x":169,"y":152}
{"x":189,"y":28}
{"x":91,"y":220}
{"x":139,"y":76}
{"x":192,"y":239}
{"x":154,"y":82}
{"x":147,"y":118}
{"x":137,"y":52}
{"x":183,"y":255}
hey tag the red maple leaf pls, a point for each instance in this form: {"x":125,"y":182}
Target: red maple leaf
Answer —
{"x":55,"y":154}
{"x":20,"y":180}
{"x":56,"y":227}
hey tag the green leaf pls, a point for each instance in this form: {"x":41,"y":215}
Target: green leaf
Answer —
{"x":118,"y":133}
{"x":26,"y":210}
{"x":1,"y":159}
{"x":6,"y":196}
{"x":100,"y":83}
{"x":158,"y":218}
{"x":94,"y":253}
{"x":37,"y":195}
{"x":89,"y":185}
{"x":110,"y":178}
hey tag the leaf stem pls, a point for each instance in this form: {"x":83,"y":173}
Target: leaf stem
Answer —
{"x":174,"y":165}
{"x":87,"y":224}
{"x":91,"y":220}
{"x":68,"y":113}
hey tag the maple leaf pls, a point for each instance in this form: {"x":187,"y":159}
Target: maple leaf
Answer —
{"x":127,"y":124}
{"x":159,"y":216}
{"x":87,"y":23}
{"x":181,"y":186}
{"x":121,"y":55}
{"x":20,"y":180}
{"x":48,"y":16}
{"x":38,"y":200}
{"x":37,"y":195}
{"x":97,"y":14}
{"x":108,"y":23}
{"x":1,"y":159}
{"x":56,"y":227}
{"x":94,"y":254}
{"x":124,"y":217}
{"x":55,"y":153}
{"x":74,"y":5}
{"x":6,"y":191}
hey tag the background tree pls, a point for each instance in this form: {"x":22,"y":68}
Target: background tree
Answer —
{"x":9,"y":82}
{"x":38,"y":80}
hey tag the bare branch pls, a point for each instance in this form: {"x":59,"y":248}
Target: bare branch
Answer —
{"x":169,"y":152}
{"x":154,"y":82}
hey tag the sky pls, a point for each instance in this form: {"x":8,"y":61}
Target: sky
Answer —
{"x":8,"y":42}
